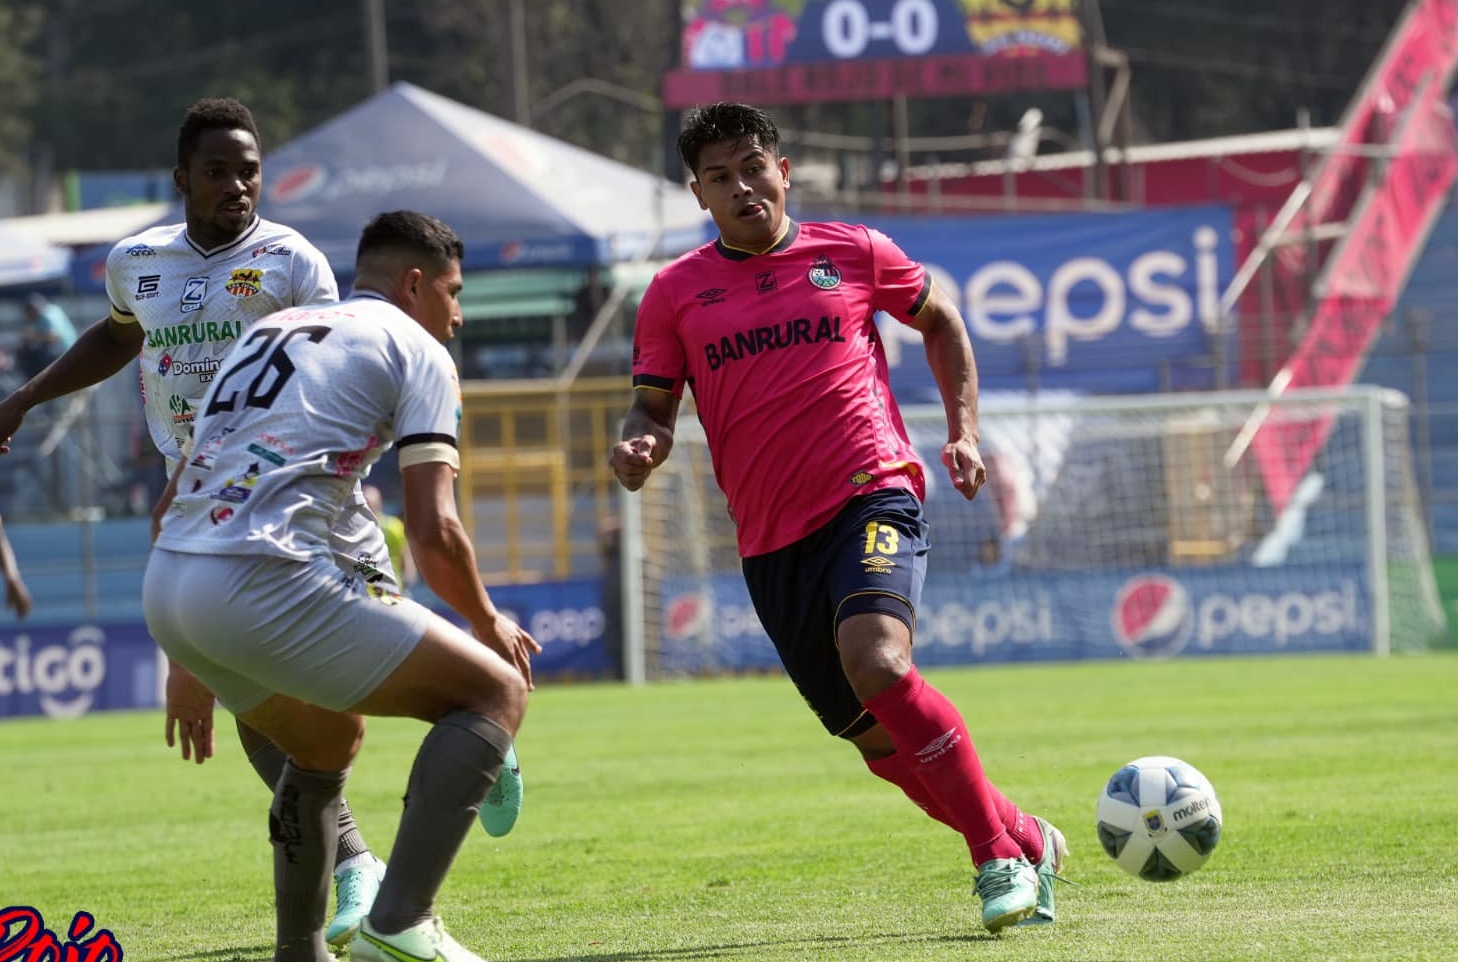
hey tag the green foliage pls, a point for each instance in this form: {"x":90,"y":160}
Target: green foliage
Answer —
{"x":19,"y":25}
{"x":1213,"y":69}
{"x":103,"y":85}
{"x":714,"y":820}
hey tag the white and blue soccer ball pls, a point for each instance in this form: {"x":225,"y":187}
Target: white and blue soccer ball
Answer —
{"x":1158,"y":818}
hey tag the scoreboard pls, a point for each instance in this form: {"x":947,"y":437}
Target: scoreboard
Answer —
{"x":800,"y":51}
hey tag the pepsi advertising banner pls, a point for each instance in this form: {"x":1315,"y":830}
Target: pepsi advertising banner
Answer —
{"x":65,"y":671}
{"x":1107,"y":303}
{"x":985,"y":618}
{"x":68,"y":670}
{"x":569,"y":620}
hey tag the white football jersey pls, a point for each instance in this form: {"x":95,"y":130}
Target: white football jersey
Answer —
{"x":193,"y":304}
{"x":300,"y":409}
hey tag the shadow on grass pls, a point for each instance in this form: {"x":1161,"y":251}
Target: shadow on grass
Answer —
{"x":263,"y":951}
{"x":238,"y":953}
{"x":750,"y":950}
{"x":731,"y":950}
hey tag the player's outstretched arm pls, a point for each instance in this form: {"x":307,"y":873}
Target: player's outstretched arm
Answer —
{"x":447,"y":562}
{"x":647,"y":437}
{"x":17,"y":595}
{"x":949,"y":354}
{"x":102,"y":349}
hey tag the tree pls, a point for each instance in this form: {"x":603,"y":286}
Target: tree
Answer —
{"x":123,"y":73}
{"x":19,"y":24}
{"x":1237,"y":66}
{"x":104,"y":84}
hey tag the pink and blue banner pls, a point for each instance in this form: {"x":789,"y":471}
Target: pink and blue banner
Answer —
{"x":1012,"y":616}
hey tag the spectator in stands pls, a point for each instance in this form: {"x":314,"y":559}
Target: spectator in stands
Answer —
{"x":45,"y":335}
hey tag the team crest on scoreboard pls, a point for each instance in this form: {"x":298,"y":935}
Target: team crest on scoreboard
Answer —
{"x":244,"y":281}
{"x":823,"y":274}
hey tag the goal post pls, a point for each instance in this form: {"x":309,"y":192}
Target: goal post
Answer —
{"x":1109,"y":527}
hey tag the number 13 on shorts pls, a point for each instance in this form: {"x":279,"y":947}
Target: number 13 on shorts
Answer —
{"x":881,"y":538}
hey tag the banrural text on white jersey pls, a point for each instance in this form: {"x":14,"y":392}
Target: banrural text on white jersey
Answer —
{"x":193,"y":304}
{"x":298,"y":414}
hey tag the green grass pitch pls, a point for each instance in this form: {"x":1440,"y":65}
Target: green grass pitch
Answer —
{"x":714,"y":820}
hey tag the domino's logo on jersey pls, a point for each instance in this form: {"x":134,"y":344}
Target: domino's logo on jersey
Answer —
{"x":164,"y":364}
{"x":194,"y":292}
{"x":1152,"y":617}
{"x":823,"y":274}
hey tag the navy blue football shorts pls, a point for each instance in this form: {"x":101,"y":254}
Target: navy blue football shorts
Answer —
{"x":871,"y":557}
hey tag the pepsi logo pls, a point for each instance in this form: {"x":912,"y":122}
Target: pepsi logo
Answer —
{"x":688,"y":615}
{"x":298,"y":184}
{"x":512,"y":251}
{"x":1152,"y":616}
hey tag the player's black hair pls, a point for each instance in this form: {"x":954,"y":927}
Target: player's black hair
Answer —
{"x":408,"y":231}
{"x":212,"y":113}
{"x":716,"y":123}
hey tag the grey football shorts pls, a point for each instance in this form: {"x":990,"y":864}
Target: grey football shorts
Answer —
{"x":249,"y":626}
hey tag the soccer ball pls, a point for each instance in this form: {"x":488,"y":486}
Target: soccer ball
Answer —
{"x":1158,"y":818}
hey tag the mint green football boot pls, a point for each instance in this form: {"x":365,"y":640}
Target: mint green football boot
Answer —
{"x":1055,"y":850}
{"x":354,"y":895}
{"x":502,"y":805}
{"x":1008,"y":888}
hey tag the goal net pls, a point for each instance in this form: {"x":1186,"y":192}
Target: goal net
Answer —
{"x":1108,"y":527}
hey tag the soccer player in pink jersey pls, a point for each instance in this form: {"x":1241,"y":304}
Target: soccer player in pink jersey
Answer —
{"x":772,"y":326}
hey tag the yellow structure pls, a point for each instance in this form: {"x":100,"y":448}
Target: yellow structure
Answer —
{"x":535,"y":487}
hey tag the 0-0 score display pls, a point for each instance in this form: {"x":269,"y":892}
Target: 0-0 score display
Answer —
{"x":847,"y":29}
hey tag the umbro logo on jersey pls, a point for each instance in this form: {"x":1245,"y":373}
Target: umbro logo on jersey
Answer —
{"x":939,"y":746}
{"x":878,"y":565}
{"x":194,"y":292}
{"x":713,"y":295}
{"x":148,"y":285}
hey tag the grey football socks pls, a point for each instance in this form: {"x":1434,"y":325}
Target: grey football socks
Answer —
{"x":454,"y":769}
{"x":268,"y":760}
{"x":302,"y":824}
